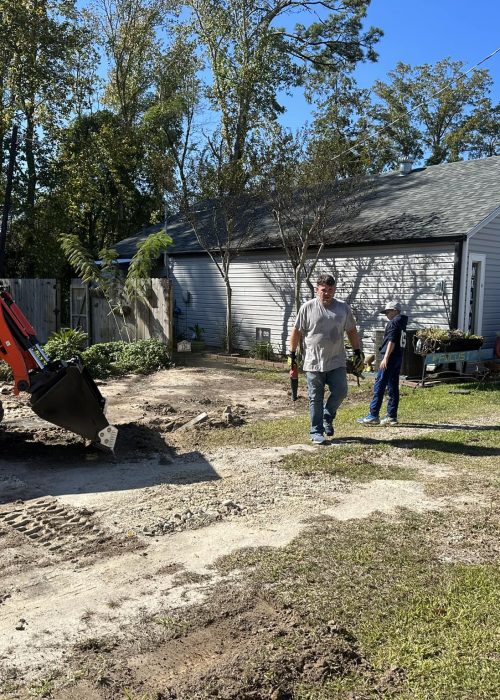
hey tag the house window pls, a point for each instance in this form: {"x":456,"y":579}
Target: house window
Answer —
{"x":263,"y":335}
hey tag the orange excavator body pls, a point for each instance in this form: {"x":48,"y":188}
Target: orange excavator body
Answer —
{"x":62,"y":392}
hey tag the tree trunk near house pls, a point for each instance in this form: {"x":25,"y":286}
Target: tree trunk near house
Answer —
{"x":229,"y":317}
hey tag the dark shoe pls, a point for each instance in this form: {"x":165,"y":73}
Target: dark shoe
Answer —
{"x":329,"y":430}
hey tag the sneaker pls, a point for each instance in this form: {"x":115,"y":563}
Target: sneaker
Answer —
{"x":329,"y":430}
{"x":318,"y":439}
{"x":387,"y":420}
{"x":369,"y":420}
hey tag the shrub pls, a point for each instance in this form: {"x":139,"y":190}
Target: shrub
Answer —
{"x":100,"y":359}
{"x":104,"y":360}
{"x":66,"y":343}
{"x":143,"y":357}
{"x":5,"y":372}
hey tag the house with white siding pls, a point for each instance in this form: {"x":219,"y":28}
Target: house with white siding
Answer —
{"x":429,"y":237}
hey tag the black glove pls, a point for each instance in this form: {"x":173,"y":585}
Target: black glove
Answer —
{"x":292,"y":359}
{"x":358,"y":361}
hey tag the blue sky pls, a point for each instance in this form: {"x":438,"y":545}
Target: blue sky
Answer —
{"x":424,"y":31}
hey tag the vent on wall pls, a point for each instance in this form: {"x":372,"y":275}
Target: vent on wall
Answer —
{"x":263,"y":335}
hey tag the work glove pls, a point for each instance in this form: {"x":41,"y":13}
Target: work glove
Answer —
{"x":292,"y":359}
{"x":358,"y":362}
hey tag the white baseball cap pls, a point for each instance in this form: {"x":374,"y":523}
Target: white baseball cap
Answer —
{"x":391,"y":306}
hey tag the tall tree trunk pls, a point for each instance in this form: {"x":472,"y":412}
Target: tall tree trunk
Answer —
{"x":30,"y":194}
{"x":7,"y":199}
{"x":229,"y":316}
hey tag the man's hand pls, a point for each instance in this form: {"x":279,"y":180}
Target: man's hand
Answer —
{"x":292,"y":359}
{"x":358,"y":361}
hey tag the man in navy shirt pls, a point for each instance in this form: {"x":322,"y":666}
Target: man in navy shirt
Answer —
{"x":392,"y":348}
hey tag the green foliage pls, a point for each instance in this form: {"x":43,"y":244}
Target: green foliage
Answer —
{"x":99,"y":359}
{"x":262,"y":351}
{"x":5,"y":372}
{"x":139,"y":271}
{"x":431,"y":104}
{"x":198,"y":331}
{"x":143,"y":357}
{"x":66,"y":343}
{"x":115,"y":359}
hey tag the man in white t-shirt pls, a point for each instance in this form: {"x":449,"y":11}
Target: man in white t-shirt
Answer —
{"x":322,"y":322}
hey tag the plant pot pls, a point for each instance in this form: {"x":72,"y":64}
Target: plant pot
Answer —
{"x":463,"y":345}
{"x":197,"y":345}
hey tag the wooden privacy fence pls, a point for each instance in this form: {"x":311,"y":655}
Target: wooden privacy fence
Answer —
{"x":40,"y":302}
{"x":91,"y":312}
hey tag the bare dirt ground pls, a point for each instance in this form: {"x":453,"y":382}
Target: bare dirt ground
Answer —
{"x":91,"y":544}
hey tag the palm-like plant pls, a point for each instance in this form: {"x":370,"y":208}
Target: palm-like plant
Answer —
{"x":108,"y":278}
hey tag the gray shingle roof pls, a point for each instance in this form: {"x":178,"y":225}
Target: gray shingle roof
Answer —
{"x":440,"y":201}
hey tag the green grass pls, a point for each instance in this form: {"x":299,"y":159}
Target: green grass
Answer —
{"x":356,"y":462}
{"x":418,"y":597}
{"x":424,"y":627}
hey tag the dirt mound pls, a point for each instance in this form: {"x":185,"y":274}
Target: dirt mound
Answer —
{"x":250,"y":651}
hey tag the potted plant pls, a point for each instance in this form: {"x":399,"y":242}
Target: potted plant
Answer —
{"x":197,"y":338}
{"x":429,"y":340}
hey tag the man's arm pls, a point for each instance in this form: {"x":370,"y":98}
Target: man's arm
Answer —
{"x":353,"y":336}
{"x":294,"y":339}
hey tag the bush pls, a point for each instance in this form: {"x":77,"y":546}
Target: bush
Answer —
{"x":100,"y":359}
{"x":65,"y":344}
{"x":104,"y":360}
{"x":143,"y":357}
{"x":5,"y":372}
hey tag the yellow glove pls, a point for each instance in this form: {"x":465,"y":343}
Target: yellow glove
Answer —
{"x":358,"y":362}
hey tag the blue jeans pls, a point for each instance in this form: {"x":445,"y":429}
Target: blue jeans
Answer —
{"x":387,"y":379}
{"x":321,"y":413}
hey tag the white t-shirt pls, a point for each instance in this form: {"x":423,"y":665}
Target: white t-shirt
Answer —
{"x":323,"y":328}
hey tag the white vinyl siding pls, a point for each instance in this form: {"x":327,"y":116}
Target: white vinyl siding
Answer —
{"x":487,"y":242}
{"x":263,"y":289}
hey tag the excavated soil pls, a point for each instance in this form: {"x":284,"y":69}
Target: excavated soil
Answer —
{"x":94,"y":545}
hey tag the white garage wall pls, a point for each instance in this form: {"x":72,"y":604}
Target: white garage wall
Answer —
{"x":263,"y":289}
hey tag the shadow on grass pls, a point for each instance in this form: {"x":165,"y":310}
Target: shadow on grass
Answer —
{"x":427,"y":443}
{"x":450,"y":426}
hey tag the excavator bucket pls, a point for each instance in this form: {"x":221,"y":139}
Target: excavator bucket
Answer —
{"x":64,"y":393}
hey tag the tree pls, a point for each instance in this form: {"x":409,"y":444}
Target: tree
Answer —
{"x":310,"y":200}
{"x":423,"y":108}
{"x":479,"y":136}
{"x":251,"y":57}
{"x":252,"y":52}
{"x":95,"y":191}
{"x":127,"y":31}
{"x":43,"y":44}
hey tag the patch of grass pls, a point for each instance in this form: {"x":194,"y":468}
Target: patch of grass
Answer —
{"x":436,"y":404}
{"x":447,"y":639}
{"x":462,"y":446}
{"x":282,"y":431}
{"x":94,"y":644}
{"x":353,"y":461}
{"x":426,"y":628}
{"x":43,"y":687}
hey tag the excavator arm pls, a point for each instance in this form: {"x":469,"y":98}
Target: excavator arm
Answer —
{"x":61,"y":392}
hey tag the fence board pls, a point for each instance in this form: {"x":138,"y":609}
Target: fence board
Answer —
{"x":142,"y":321}
{"x":40,"y":302}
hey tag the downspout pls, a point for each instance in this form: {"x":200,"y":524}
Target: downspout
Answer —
{"x":457,"y":273}
{"x":463,"y":283}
